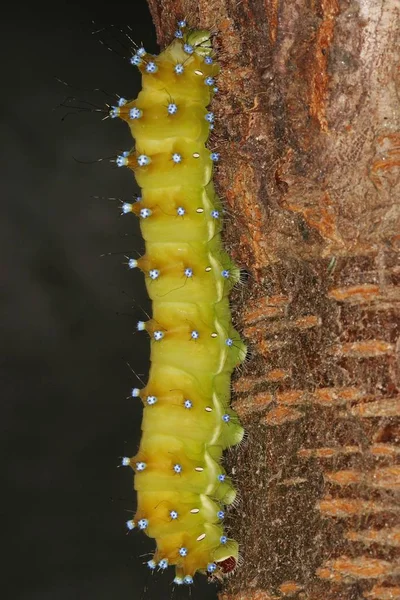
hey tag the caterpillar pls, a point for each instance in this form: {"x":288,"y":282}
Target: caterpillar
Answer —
{"x":182,"y":487}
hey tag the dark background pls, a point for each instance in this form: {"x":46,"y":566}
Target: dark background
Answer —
{"x":68,"y":315}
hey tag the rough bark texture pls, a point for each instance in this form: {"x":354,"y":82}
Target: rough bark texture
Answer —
{"x":309,"y":132}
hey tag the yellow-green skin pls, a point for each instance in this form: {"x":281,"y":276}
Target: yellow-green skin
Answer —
{"x":183,"y":368}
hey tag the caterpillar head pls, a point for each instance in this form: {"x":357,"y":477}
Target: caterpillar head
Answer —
{"x":228,"y":565}
{"x":226,"y":557}
{"x":224,"y":569}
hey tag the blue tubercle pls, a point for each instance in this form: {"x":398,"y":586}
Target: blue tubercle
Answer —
{"x":172,"y":108}
{"x":151,"y":67}
{"x":135,"y":113}
{"x":154,"y":274}
{"x":143,"y":160}
{"x":188,"y":48}
{"x":121,"y":161}
{"x":126,"y":207}
{"x":176,"y":158}
{"x":143,"y":523}
{"x":136,"y":60}
{"x":179,"y":69}
{"x":145,"y":213}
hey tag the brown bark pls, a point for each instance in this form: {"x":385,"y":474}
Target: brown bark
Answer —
{"x":308,"y":125}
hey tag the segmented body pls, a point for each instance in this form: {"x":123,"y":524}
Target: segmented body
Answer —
{"x":181,"y":484}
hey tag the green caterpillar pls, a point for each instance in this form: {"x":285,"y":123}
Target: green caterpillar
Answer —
{"x":181,"y":485}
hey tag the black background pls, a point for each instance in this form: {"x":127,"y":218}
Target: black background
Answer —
{"x":68,"y":315}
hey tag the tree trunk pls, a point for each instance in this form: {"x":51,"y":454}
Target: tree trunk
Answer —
{"x":308,"y":126}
